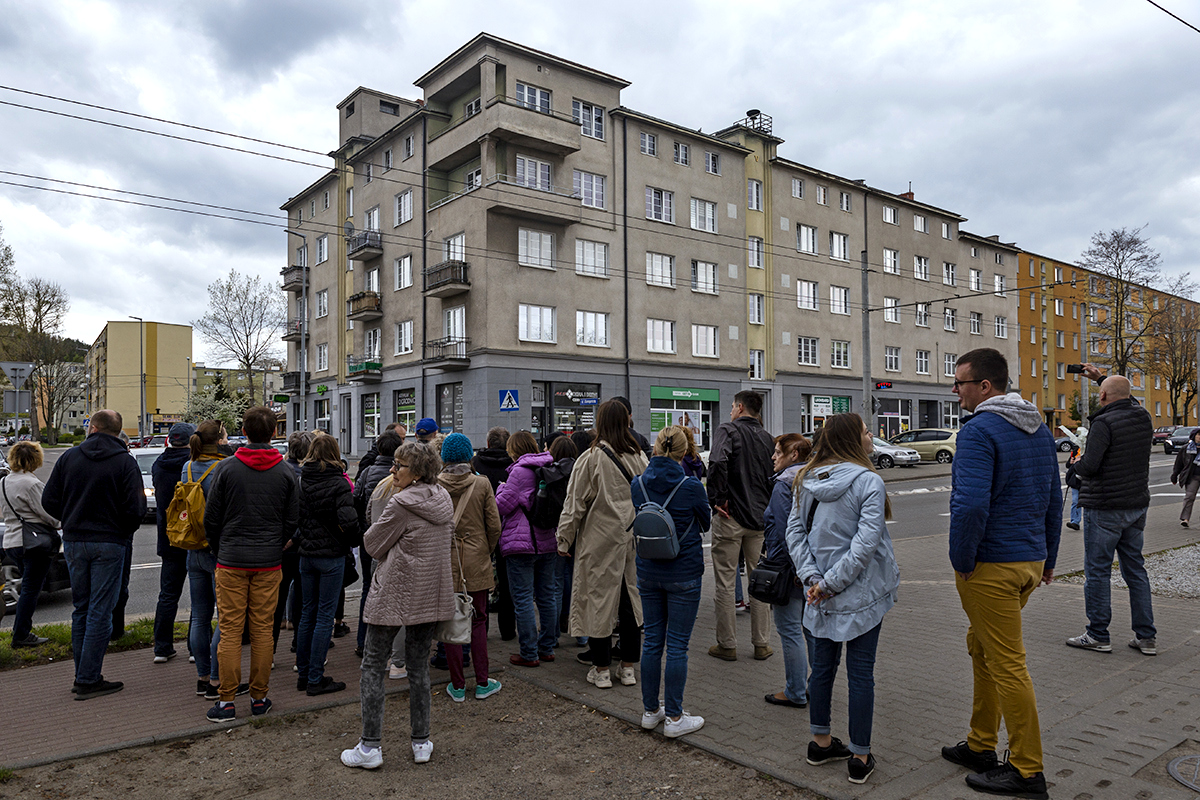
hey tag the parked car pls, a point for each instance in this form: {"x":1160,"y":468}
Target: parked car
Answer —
{"x":281,"y":446}
{"x":934,"y":444}
{"x":1179,"y":438}
{"x":57,"y":579}
{"x":1063,"y":444}
{"x":886,"y":455}
{"x":145,"y":457}
{"x":1161,"y":435}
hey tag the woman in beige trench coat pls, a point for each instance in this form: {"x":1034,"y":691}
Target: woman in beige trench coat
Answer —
{"x":595,"y":520}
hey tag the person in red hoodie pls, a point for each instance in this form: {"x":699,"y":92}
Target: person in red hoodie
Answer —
{"x":251,"y":510}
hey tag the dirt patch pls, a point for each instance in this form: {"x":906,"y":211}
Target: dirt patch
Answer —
{"x":521,"y":742}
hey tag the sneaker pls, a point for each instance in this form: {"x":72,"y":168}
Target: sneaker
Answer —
{"x":422,"y":751}
{"x":517,"y":660}
{"x":164,"y":658}
{"x":1148,"y":646}
{"x":836,"y":751}
{"x":29,"y":641}
{"x":971,"y":759}
{"x":762,"y":652}
{"x":859,"y":772}
{"x":327,"y":685}
{"x":211,"y":691}
{"x":219,"y":713}
{"x":1085,"y":642}
{"x":367,"y":759}
{"x":457,"y":695}
{"x":202,"y":688}
{"x":686,"y":724}
{"x":487,"y":690}
{"x":1073,"y":526}
{"x":1005,"y":779}
{"x":600,"y":678}
{"x":86,"y":691}
{"x":302,"y":684}
{"x":742,"y":606}
{"x":396,"y":673}
{"x":627,"y":677}
{"x":260,"y":707}
{"x":584,"y":657}
{"x":243,"y":688}
{"x":650,"y":719}
{"x":191,"y":659}
{"x":340,"y":629}
{"x":723,"y":653}
{"x":1183,"y":522}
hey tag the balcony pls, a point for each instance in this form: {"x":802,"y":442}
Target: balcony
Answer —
{"x":365,"y":306}
{"x":504,"y":119}
{"x":293,"y":329}
{"x":292,"y":381}
{"x":449,"y":352}
{"x":447,"y":279}
{"x":553,"y":205}
{"x":368,"y":369}
{"x":293,"y":278}
{"x":364,"y":245}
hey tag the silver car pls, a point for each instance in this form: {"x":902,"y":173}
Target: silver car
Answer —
{"x":886,"y":455}
{"x":145,"y":457}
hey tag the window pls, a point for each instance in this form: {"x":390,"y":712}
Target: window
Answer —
{"x":322,"y":249}
{"x":823,"y":195}
{"x":976,"y":323}
{"x":312,"y":209}
{"x":1001,"y":284}
{"x":809,"y":351}
{"x":704,"y":277}
{"x":891,"y":309}
{"x":797,"y":187}
{"x":891,"y":261}
{"x":1060,"y":370}
{"x":712,"y":162}
{"x":754,"y":252}
{"x":844,"y":201}
{"x":806,"y":295}
{"x":404,"y":209}
{"x":591,"y":328}
{"x":371,"y":219}
{"x":408,"y":147}
{"x":1032,"y":335}
{"x":999,"y":258}
{"x":1059,"y":307}
{"x":535,"y":248}
{"x":757,"y":360}
{"x":920,"y":223}
{"x":533,"y":173}
{"x":704,"y":215}
{"x":368,"y":172}
{"x":1060,"y":340}
{"x":322,"y":303}
{"x":536,"y":323}
{"x":325,"y":201}
{"x":649,"y":144}
{"x":454,"y":248}
{"x":350,"y":202}
{"x":533,"y":97}
{"x":387,"y":159}
{"x":660,"y":204}
{"x":370,"y":415}
{"x":389,"y":108}
{"x":404,"y":337}
{"x":949,"y":363}
{"x":922,"y":315}
{"x":1058,"y":275}
{"x":754,"y":195}
{"x":975,"y":279}
{"x":757,"y":306}
{"x":839,"y":246}
{"x":922,"y":357}
{"x":591,"y":258}
{"x":590,"y":188}
{"x":945,"y":230}
{"x":950,"y":319}
{"x":806,"y":239}
{"x":704,"y":341}
{"x":1002,"y":328}
{"x":683,"y":154}
{"x":839,"y":300}
{"x":921,"y":268}
{"x":322,"y":356}
{"x":949,"y":274}
{"x":889,"y":215}
{"x":660,"y":336}
{"x":473,"y":180}
{"x":891,"y":359}
{"x":1074,"y":341}
{"x":371,"y":280}
{"x":402,"y":273}
{"x":589,"y":117}
{"x":839,"y":356}
{"x":371,"y":342}
{"x":660,"y":269}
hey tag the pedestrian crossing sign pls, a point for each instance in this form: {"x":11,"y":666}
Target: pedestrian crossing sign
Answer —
{"x":509,"y":401}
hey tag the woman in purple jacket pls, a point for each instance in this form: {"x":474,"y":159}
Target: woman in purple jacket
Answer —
{"x":529,"y":554}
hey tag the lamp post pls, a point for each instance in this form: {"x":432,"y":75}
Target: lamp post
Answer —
{"x":142,"y":374}
{"x":188,"y":384}
{"x":303,"y":354}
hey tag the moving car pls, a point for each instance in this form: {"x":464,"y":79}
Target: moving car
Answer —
{"x":1179,"y":438}
{"x":934,"y":444}
{"x":886,"y":455}
{"x":145,"y":457}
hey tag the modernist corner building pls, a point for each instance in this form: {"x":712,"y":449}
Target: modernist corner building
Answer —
{"x":516,"y":246}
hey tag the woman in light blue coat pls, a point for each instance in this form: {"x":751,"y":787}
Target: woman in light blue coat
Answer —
{"x":844,"y":558}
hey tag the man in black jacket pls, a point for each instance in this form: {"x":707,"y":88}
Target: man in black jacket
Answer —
{"x":739,"y":487}
{"x":96,"y":490}
{"x":165,"y":474}
{"x":251,"y":510}
{"x":1115,"y":469}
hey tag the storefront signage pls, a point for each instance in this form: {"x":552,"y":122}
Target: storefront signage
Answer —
{"x":406,"y":400}
{"x":573,"y":395}
{"x":822,"y":405}
{"x":675,"y":393}
{"x":841,"y":405}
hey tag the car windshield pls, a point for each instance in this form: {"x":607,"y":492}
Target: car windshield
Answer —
{"x":145,"y":462}
{"x":880,"y":442}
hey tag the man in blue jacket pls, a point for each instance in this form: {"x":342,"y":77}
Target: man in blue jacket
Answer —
{"x":1005,"y":520}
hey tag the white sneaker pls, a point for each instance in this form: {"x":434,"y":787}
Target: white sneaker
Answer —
{"x":601,"y":678}
{"x":422,"y":751}
{"x":396,"y":673}
{"x":684,"y":725}
{"x":367,"y":759}
{"x":650,"y":719}
{"x":627,"y":676}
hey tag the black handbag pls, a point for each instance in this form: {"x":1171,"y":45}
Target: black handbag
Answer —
{"x":37,"y":538}
{"x":772,"y":580}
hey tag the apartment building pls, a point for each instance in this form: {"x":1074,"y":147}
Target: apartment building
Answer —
{"x":133,"y":359}
{"x":516,"y":246}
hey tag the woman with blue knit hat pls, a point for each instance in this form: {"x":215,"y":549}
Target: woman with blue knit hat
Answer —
{"x":476,"y":533}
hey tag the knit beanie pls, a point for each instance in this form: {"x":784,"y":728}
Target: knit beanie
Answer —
{"x":456,"y":448}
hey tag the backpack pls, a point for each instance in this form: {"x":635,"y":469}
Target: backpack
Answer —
{"x":547,"y":503}
{"x":185,"y":514}
{"x":653,"y":528}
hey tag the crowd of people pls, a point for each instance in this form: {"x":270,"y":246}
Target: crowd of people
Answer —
{"x":552,"y":537}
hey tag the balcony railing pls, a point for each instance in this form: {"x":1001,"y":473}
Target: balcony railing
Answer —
{"x":365,"y":368}
{"x":449,"y":350}
{"x":447,"y":278}
{"x":293,"y":329}
{"x":293,"y":278}
{"x":364,"y":245}
{"x":292,"y":382}
{"x":517,"y":180}
{"x":365,"y":306}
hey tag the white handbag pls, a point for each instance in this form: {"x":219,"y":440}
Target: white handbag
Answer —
{"x":457,"y":629}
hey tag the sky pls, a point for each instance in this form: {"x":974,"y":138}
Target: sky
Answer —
{"x":1043,"y":122}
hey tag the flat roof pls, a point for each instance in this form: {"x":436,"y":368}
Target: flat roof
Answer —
{"x":487,"y":38}
{"x":629,"y":112}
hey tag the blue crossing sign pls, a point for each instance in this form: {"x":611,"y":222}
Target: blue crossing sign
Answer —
{"x":509,"y":400}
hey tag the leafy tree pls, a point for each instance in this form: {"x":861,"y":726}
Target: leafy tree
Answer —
{"x":206,"y":404}
{"x":245,"y":321}
{"x":1076,"y":402}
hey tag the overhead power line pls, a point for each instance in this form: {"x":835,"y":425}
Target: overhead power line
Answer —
{"x":1176,"y":16}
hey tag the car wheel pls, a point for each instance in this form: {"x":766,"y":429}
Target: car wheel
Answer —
{"x":885,"y":462}
{"x":1065,"y":447}
{"x":1167,"y":449}
{"x":944,"y":456}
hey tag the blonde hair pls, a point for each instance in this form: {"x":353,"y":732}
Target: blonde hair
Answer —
{"x":324,"y":450}
{"x":672,"y":442}
{"x":692,"y":450}
{"x":25,"y":457}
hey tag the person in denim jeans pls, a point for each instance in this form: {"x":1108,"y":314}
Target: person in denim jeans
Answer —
{"x":22,"y":501}
{"x":670,"y":590}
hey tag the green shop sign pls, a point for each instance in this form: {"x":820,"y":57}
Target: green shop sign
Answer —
{"x":672,"y":393}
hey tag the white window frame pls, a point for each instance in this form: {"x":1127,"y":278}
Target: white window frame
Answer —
{"x":806,"y":239}
{"x":798,"y":188}
{"x":409,"y":147}
{"x":704,"y":277}
{"x":712,"y":162}
{"x":839,"y":300}
{"x":591,"y":258}
{"x":822,"y":195}
{"x":532,"y":319}
{"x":1000,"y":285}
{"x":648,"y":144}
{"x":404,"y":337}
{"x":891,"y":358}
{"x":844,"y":201}
{"x":660,"y":205}
{"x":660,"y":269}
{"x":706,"y":341}
{"x":590,"y":188}
{"x":590,"y":118}
{"x":387,"y":159}
{"x":920,"y":223}
{"x":921,"y":315}
{"x":891,"y":309}
{"x":371,"y":280}
{"x":757,"y":365}
{"x":322,"y":249}
{"x":1002,"y":328}
{"x":920,"y":268}
{"x":322,"y":303}
{"x":949,"y":364}
{"x":1059,"y":307}
{"x":534,"y":98}
{"x":839,"y":354}
{"x":950,"y":319}
{"x":976,"y":323}
{"x":402,"y":276}
{"x":945,"y":230}
{"x":754,"y":194}
{"x":704,"y":215}
{"x":662,"y":333}
{"x":454,"y":248}
{"x":683,"y":154}
{"x":535,"y":248}
{"x":949,"y":274}
{"x":890,"y":215}
{"x":839,"y":246}
{"x":373,"y":344}
{"x":322,"y":356}
{"x":808,"y":351}
{"x":922,"y":362}
{"x":756,"y":309}
{"x":403,"y":207}
{"x":975,"y":279}
{"x":755,"y":252}
{"x":808,"y":295}
{"x":534,"y":173}
{"x":592,"y":325}
{"x":891,"y":261}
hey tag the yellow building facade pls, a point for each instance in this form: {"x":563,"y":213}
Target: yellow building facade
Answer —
{"x":122,"y":354}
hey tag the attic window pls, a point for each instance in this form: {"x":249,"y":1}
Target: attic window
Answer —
{"x":349,"y":110}
{"x":389,"y":108}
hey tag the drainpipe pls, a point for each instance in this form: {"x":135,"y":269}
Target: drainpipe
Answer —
{"x":868,"y":403}
{"x":625,"y":234}
{"x":424,"y":250}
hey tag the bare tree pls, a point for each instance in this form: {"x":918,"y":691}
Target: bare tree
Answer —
{"x":33,"y":312}
{"x":244,"y":323}
{"x":1127,"y":266}
{"x":1172,"y":351}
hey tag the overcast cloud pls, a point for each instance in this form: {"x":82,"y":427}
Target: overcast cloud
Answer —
{"x":1040,"y":122}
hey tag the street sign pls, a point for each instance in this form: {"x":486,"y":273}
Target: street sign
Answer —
{"x":281,"y":398}
{"x":509,"y":400}
{"x":17,"y":372}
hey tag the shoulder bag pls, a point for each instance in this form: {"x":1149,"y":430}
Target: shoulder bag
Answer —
{"x":772,"y":580}
{"x":37,"y":538}
{"x":457,"y":629}
{"x":617,"y":461}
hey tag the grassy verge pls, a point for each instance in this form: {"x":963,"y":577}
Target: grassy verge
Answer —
{"x":138,"y":634}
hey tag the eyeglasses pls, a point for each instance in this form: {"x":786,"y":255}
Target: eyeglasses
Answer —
{"x":397,"y":465}
{"x":960,"y":383}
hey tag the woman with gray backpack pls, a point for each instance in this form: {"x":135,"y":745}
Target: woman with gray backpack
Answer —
{"x":670,"y":505}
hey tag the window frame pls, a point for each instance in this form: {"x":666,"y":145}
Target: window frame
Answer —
{"x":668,"y":327}
{"x":581,"y":319}
{"x":525,"y":241}
{"x":712,"y":335}
{"x":524,"y":312}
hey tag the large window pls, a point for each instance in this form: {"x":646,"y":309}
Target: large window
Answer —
{"x":533,"y":97}
{"x":891,"y":309}
{"x":660,"y":204}
{"x":922,"y":358}
{"x":950,"y":319}
{"x":1002,"y":328}
{"x":322,"y":303}
{"x":844,"y":201}
{"x":591,"y":258}
{"x":920,"y":223}
{"x":754,"y":195}
{"x":704,"y":215}
{"x":806,"y":238}
{"x":370,"y":415}
{"x":891,"y":261}
{"x":949,"y":274}
{"x":536,"y":323}
{"x":889,"y":215}
{"x":712,"y":163}
{"x":704,"y":341}
{"x":660,"y":336}
{"x":921,"y":268}
{"x":533,"y":173}
{"x":590,"y":188}
{"x":755,"y":252}
{"x":922,"y":315}
{"x":404,"y":337}
{"x":704,"y":277}
{"x":839,"y":300}
{"x":371,"y":280}
{"x":975,"y":280}
{"x":976,"y":323}
{"x":798,"y":188}
{"x":403,"y":207}
{"x":683,"y":154}
{"x":891,"y":359}
{"x":757,"y":306}
{"x":949,"y":364}
{"x":591,"y":328}
{"x":322,"y":249}
{"x":535,"y":248}
{"x":454,"y":248}
{"x":372,"y":341}
{"x":649,"y":143}
{"x":589,"y":117}
{"x":807,"y":296}
{"x":322,"y":356}
{"x":839,"y":246}
{"x":1001,"y":285}
{"x":839,"y":356}
{"x":660,"y":269}
{"x":403,"y":273}
{"x":809,"y":351}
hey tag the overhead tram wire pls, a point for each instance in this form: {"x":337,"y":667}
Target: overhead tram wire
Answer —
{"x":1176,"y":16}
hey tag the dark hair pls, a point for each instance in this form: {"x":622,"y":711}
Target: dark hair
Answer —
{"x":550,"y":437}
{"x":582,"y":440}
{"x":258,"y":423}
{"x":612,"y":427}
{"x":751,"y":400}
{"x":324,"y":450}
{"x":521,"y":443}
{"x":207,"y":433}
{"x":841,"y":440}
{"x":388,"y":443}
{"x":108,"y":421}
{"x":794,"y":443}
{"x":497,"y":438}
{"x":625,"y":402}
{"x":562,"y":447}
{"x":987,"y":364}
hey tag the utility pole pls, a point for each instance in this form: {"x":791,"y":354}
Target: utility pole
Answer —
{"x":868,"y":404}
{"x":142,"y":376}
{"x":1085,"y":387}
